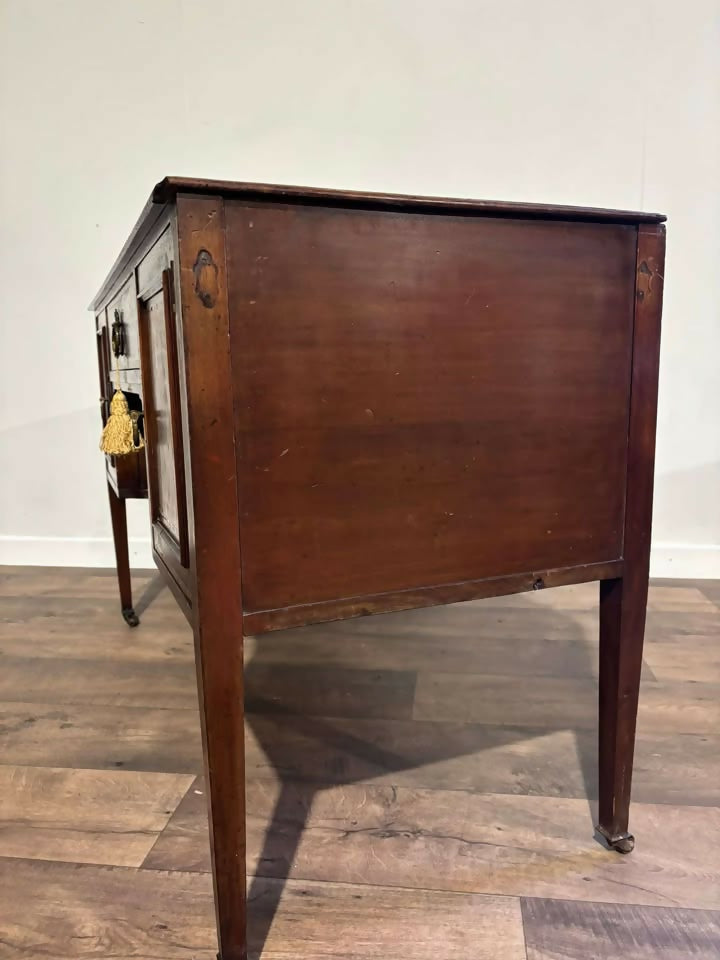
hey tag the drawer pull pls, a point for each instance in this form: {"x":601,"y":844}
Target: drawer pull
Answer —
{"x":118,"y":335}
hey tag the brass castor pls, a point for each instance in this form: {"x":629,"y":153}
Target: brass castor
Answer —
{"x":621,"y":843}
{"x":130,"y":617}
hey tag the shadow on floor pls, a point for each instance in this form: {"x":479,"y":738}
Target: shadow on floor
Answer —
{"x":152,"y":591}
{"x":269,"y":718}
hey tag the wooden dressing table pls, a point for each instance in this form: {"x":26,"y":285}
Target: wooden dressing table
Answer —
{"x":358,"y":403}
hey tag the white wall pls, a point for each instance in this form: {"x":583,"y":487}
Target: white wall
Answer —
{"x":614,"y":104}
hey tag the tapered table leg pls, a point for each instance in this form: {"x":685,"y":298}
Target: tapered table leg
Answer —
{"x":219,"y":658}
{"x":623,"y":601}
{"x":118,"y":516}
{"x":622,"y":624}
{"x":215,"y":522}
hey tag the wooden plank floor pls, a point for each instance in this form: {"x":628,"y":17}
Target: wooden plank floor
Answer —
{"x":421,"y":785}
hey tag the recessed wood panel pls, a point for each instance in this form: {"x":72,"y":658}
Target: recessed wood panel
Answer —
{"x":159,"y":387}
{"x":163,"y":431}
{"x":425,"y":400}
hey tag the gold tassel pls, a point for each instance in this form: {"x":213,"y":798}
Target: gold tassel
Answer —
{"x":118,"y":434}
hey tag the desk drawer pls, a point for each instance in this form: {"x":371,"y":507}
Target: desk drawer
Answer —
{"x":122,"y":323}
{"x":127,"y":475}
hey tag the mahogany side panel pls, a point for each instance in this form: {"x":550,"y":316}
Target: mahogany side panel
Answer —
{"x":425,"y":400}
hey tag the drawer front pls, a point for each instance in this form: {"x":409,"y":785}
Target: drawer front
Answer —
{"x":126,"y":474}
{"x":122,"y":322}
{"x":425,"y":400}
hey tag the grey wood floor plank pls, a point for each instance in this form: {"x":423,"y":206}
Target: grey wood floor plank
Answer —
{"x":93,"y":736}
{"x":561,"y":930}
{"x":668,"y":706}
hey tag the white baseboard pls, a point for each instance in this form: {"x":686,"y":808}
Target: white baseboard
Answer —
{"x":71,"y":552}
{"x":675,"y":560}
{"x":692,"y":561}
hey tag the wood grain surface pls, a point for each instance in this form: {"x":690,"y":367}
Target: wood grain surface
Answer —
{"x":85,"y":816}
{"x":457,"y":840}
{"x":84,"y":911}
{"x":495,"y":449}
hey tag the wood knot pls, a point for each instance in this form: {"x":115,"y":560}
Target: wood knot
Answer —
{"x":205,"y":273}
{"x":644,"y":281}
